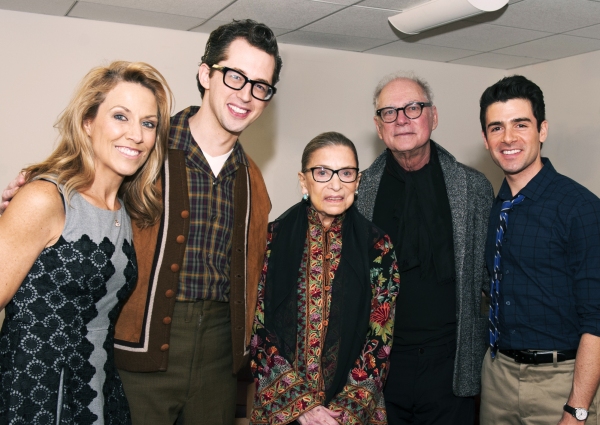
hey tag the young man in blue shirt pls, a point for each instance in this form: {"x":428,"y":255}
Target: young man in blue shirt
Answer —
{"x":543,"y":255}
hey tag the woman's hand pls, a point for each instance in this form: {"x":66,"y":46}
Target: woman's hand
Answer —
{"x":319,"y":416}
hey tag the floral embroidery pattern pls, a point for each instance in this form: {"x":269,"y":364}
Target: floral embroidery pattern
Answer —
{"x":285,"y":391}
{"x":43,"y":344}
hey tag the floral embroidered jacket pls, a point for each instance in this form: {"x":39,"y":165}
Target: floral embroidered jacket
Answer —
{"x":285,"y":391}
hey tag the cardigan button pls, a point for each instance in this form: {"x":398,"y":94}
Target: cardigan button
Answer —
{"x":164,"y":347}
{"x":180,"y":239}
{"x":170,"y":293}
{"x":167,"y":320}
{"x":185,"y":214}
{"x":174,"y":268}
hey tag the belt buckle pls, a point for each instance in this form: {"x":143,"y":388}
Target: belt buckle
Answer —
{"x":535,"y":355}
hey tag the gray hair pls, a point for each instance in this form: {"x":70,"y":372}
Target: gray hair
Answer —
{"x":402,"y":75}
{"x":323,"y":140}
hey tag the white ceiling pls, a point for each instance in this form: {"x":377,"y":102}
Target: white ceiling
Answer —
{"x":523,"y":33}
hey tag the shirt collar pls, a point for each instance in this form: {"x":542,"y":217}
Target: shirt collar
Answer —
{"x":536,"y":186}
{"x":181,"y":120}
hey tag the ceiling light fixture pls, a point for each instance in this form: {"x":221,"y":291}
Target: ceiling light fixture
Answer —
{"x":439,"y":12}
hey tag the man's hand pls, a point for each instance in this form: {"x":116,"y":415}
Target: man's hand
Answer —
{"x":586,"y":376}
{"x":11,"y":190}
{"x":319,"y":416}
{"x":568,"y":419}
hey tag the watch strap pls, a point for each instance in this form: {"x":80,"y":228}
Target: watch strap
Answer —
{"x":578,"y":413}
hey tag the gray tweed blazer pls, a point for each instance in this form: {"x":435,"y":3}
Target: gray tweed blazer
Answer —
{"x":470,"y":195}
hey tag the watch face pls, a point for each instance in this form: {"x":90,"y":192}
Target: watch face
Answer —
{"x":581,"y":414}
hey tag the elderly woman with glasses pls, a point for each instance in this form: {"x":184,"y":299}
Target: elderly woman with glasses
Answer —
{"x":324,"y":320}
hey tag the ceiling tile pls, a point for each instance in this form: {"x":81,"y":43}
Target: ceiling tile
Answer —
{"x":590,"y":32}
{"x":343,"y":2}
{"x":494,"y":60}
{"x":212,"y":24}
{"x":125,"y":15}
{"x":553,"y":47}
{"x":404,"y":49}
{"x":358,"y":22}
{"x":198,"y":9}
{"x":548,"y":15}
{"x":524,"y":32}
{"x":294,"y":15}
{"x":397,"y":5}
{"x":480,"y":37}
{"x":46,"y":7}
{"x":330,"y":41}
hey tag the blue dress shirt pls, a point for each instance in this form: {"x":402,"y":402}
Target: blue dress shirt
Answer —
{"x":550,"y":286}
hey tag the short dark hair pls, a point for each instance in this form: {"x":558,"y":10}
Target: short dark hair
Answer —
{"x":256,"y":34}
{"x":513,"y":87}
{"x":324,"y":140}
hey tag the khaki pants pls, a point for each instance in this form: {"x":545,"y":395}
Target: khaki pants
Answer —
{"x":523,"y":394}
{"x":198,"y":386}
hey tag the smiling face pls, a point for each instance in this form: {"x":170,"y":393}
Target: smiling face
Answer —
{"x":123,"y":132}
{"x":235,"y":110}
{"x":334,"y":197}
{"x":405,"y":135}
{"x":514,"y":141}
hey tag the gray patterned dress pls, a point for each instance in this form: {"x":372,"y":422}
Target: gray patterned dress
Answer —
{"x":56,"y":343}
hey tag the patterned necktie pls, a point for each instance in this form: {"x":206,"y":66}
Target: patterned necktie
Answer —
{"x":507,"y":206}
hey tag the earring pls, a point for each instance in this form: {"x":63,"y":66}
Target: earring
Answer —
{"x":356,"y":192}
{"x":305,"y":197}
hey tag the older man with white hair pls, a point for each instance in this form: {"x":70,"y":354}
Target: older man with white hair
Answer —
{"x":435,"y":209}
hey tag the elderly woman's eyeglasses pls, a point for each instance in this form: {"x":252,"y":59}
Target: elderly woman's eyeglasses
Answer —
{"x":236,"y":80}
{"x":411,"y":111}
{"x":323,"y":174}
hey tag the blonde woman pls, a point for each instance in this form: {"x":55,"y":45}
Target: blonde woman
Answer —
{"x":66,"y":250}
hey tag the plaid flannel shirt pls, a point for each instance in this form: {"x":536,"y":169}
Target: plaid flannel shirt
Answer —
{"x":205,"y":270}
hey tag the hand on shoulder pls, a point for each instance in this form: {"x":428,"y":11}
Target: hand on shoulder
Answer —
{"x":9,"y":192}
{"x":36,"y":209}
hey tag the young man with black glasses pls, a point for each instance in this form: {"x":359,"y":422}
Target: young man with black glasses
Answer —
{"x":182,"y":336}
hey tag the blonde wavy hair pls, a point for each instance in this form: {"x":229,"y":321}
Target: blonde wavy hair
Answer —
{"x":72,"y":162}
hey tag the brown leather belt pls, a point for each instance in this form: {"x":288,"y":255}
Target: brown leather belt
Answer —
{"x":539,"y":357}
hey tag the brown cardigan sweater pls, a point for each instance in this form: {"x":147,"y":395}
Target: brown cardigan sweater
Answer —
{"x":143,"y":329}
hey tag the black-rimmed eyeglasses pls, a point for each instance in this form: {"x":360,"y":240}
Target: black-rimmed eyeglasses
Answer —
{"x":323,"y":174}
{"x":236,"y":80}
{"x":411,"y":111}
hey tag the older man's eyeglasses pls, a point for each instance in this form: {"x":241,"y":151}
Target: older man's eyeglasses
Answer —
{"x":411,"y":111}
{"x":323,"y":174}
{"x":236,"y":80}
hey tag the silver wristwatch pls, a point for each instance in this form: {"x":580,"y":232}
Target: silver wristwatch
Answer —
{"x":578,"y":413}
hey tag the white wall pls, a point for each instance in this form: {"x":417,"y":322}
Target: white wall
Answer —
{"x":571,"y":89}
{"x":44,"y":57}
